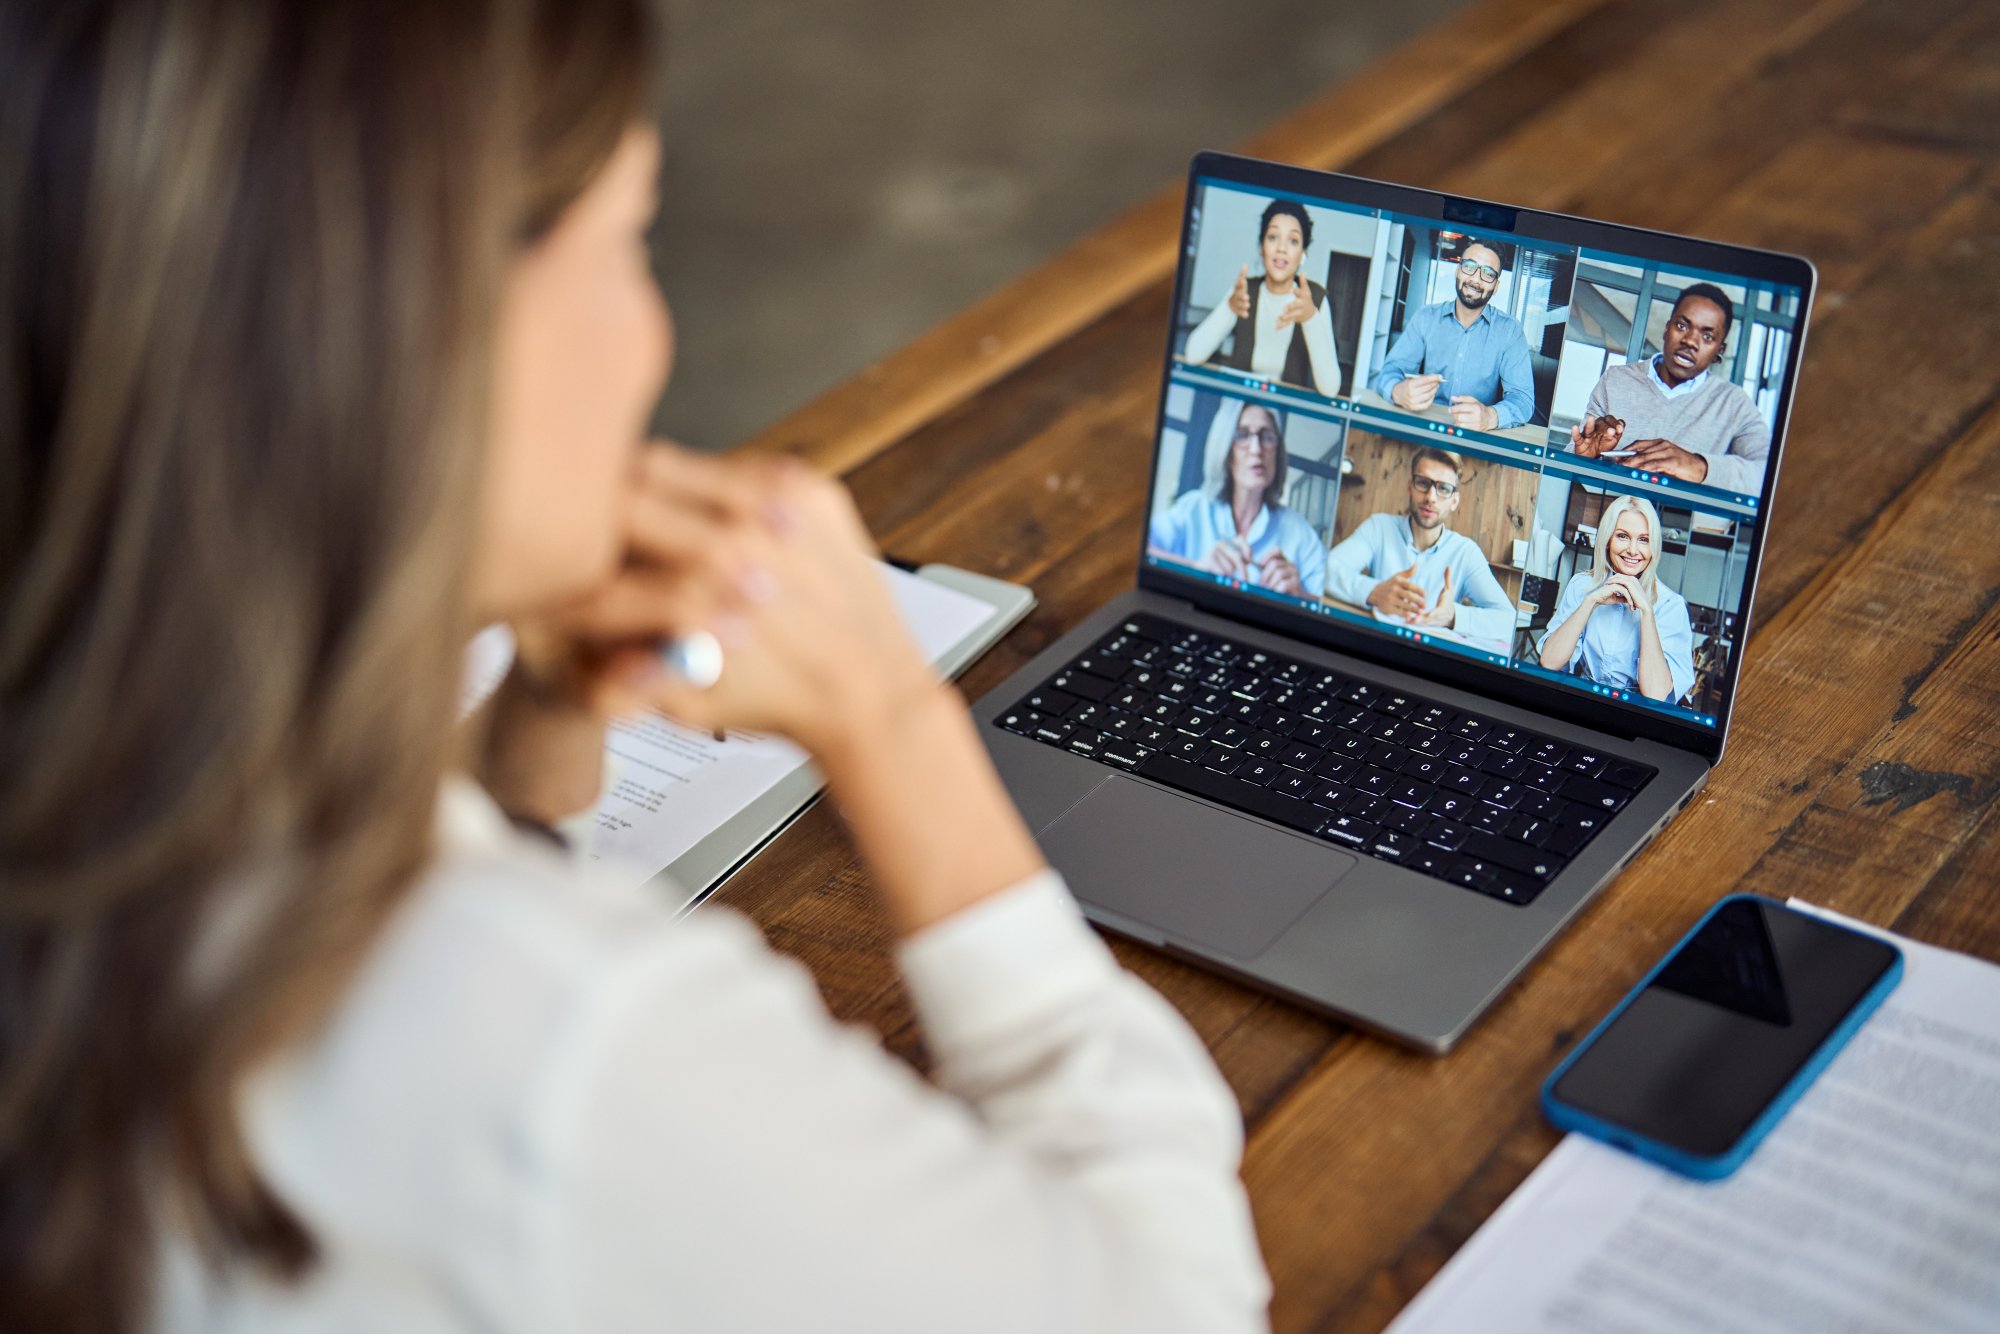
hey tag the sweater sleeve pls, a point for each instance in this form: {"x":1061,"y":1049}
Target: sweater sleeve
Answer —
{"x":1741,"y":466}
{"x":1207,"y":337}
{"x":1600,"y":398}
{"x":725,"y":1156}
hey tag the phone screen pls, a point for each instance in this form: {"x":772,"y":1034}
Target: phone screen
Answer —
{"x":1715,"y":1035}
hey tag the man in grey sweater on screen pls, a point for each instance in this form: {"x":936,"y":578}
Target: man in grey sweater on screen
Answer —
{"x":1673,"y":414}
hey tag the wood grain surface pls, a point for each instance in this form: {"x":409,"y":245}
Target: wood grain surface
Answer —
{"x":1864,"y":761}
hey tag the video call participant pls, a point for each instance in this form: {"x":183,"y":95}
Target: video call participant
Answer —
{"x":1617,"y":622}
{"x":1672,"y":413}
{"x":1410,"y":565}
{"x":1463,"y":351}
{"x":1237,"y":525}
{"x":1282,"y":320}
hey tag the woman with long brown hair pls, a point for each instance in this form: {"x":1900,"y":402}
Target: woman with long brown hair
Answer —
{"x":327,"y":335}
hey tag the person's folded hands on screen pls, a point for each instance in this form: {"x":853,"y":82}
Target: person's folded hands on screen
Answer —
{"x":1622,"y":588}
{"x":1415,"y":393}
{"x":1469,"y":412}
{"x":1594,"y":436}
{"x":1656,"y":454}
{"x":1277,"y":573}
{"x":1229,"y":558}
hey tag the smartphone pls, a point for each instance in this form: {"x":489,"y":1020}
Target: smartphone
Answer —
{"x":1706,"y":1054}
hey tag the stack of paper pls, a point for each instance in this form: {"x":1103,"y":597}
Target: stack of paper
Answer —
{"x":1873,"y":1208}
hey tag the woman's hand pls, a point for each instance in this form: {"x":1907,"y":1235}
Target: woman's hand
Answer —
{"x":1622,"y":588}
{"x":1300,"y":308}
{"x":775,"y":563}
{"x":1229,"y":558}
{"x":1239,"y":295}
{"x":687,"y":525}
{"x":819,"y":653}
{"x":1277,"y":573}
{"x":814,"y":647}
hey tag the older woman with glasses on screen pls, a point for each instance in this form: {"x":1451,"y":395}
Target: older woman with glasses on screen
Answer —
{"x":1236,"y":524}
{"x":1616,"y":623}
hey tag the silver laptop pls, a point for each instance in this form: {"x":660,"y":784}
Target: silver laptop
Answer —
{"x":1455,"y":520}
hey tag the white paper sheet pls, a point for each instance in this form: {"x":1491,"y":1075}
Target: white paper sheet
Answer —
{"x":1873,"y":1208}
{"x":668,"y":786}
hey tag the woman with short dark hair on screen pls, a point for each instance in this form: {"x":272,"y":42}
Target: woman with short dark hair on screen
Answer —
{"x":328,"y":334}
{"x":1236,"y":524}
{"x":1616,"y":623}
{"x":1281,"y":320}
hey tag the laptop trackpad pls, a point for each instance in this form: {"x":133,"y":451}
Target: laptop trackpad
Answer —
{"x":1202,"y":875}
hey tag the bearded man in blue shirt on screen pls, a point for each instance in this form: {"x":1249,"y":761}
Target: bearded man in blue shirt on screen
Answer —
{"x":1464,"y":352}
{"x":1411,"y":567}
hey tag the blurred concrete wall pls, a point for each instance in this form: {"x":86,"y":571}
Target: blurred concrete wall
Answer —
{"x":840,"y":176}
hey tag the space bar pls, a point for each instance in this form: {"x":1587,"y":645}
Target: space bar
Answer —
{"x":1241,"y":796}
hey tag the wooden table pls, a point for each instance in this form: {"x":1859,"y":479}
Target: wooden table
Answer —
{"x":1864,"y":760}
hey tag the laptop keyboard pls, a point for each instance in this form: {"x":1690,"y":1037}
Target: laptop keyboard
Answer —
{"x":1466,"y":799}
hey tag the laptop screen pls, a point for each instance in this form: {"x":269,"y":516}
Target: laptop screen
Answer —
{"x":1543,"y":456}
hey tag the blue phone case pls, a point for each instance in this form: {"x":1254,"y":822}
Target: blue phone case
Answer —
{"x":1565,"y":1117}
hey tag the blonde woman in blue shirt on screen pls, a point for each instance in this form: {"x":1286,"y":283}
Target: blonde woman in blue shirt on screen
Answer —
{"x":1237,"y":525}
{"x":1617,"y":621}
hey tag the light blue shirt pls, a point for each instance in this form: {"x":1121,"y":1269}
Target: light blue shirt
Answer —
{"x":1193,"y":525}
{"x":1489,"y":361}
{"x":1384,"y":545}
{"x":1608,"y":648}
{"x":1683,"y":389}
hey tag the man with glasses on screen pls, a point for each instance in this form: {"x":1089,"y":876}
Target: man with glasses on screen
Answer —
{"x":1463,"y":352}
{"x":1671,"y":414}
{"x":1411,"y":567}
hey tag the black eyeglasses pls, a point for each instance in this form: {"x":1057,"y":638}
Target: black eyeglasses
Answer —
{"x":1425,"y":485}
{"x":1473,"y":269}
{"x":1263,"y":435}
